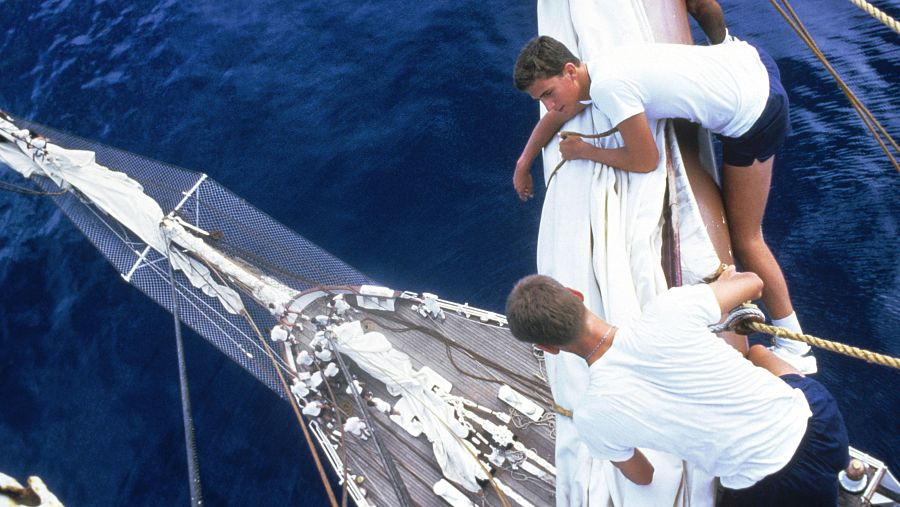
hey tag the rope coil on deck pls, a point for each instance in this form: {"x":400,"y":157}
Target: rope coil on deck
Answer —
{"x":878,"y":14}
{"x":840,"y":348}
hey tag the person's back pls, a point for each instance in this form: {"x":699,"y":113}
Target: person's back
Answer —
{"x":773,"y":436}
{"x":669,"y":384}
{"x":722,"y":87}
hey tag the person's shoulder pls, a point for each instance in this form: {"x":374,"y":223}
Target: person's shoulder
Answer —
{"x":692,"y":292}
{"x":683,"y":302}
{"x":654,"y":50}
{"x":684,"y":295}
{"x":629,"y":57}
{"x":640,"y":47}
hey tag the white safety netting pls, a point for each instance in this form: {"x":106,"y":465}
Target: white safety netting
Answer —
{"x":118,"y":200}
{"x":112,"y":192}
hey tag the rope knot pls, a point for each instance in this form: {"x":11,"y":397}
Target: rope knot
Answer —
{"x":739,"y":319}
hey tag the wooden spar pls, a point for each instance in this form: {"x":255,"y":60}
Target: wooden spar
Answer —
{"x":669,"y":22}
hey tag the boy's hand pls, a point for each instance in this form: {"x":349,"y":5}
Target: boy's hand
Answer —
{"x":733,"y":288}
{"x":637,"y":468}
{"x":522,"y":181}
{"x":571,"y":147}
{"x":727,"y":273}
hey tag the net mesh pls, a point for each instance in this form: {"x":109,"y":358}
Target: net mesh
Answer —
{"x":241,"y":231}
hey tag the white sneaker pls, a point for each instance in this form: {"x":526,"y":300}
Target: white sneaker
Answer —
{"x":804,"y":363}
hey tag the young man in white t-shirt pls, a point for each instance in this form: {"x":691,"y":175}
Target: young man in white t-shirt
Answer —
{"x":664,"y":381}
{"x":733,"y":89}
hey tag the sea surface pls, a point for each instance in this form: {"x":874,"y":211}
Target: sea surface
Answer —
{"x":386,"y":132}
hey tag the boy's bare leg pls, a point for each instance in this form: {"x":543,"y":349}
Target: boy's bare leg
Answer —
{"x":746,"y":191}
{"x":764,"y":358}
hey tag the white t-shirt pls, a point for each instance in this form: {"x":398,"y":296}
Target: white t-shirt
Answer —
{"x":722,"y":87}
{"x":667,"y":383}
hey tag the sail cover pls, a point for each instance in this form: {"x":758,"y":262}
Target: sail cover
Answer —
{"x":601,"y":233}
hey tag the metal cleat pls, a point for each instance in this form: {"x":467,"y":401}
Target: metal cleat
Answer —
{"x":522,"y":404}
{"x":430,"y":307}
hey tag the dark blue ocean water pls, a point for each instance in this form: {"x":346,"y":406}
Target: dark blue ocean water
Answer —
{"x":385,"y":132}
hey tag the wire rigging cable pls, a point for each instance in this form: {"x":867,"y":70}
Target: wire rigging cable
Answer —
{"x":877,"y":130}
{"x":188,"y":420}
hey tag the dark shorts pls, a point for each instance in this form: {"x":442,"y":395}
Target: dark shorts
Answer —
{"x":810,"y":478}
{"x":766,"y":136}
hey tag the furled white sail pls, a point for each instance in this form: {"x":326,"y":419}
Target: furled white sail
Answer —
{"x":601,"y":234}
{"x":114,"y":193}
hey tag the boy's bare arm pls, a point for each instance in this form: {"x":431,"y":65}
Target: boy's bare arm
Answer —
{"x":708,"y":14}
{"x":545,"y":129}
{"x":637,"y":469}
{"x":733,"y":288}
{"x":639,"y":153}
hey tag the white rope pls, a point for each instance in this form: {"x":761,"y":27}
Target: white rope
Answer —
{"x":878,"y":14}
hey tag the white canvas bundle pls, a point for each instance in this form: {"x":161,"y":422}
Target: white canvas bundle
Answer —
{"x":601,"y":234}
{"x":417,"y":405}
{"x":114,"y":193}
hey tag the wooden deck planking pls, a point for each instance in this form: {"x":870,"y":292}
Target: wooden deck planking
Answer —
{"x":413,"y":457}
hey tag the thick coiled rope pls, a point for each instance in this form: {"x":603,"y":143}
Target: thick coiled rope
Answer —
{"x":839,"y":348}
{"x":878,"y":14}
{"x":885,"y":141}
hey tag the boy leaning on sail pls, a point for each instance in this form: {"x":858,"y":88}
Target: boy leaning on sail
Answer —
{"x":733,"y":89}
{"x":664,"y":381}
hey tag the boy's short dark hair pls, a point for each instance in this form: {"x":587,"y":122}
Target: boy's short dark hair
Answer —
{"x":540,"y":310}
{"x":541,"y":58}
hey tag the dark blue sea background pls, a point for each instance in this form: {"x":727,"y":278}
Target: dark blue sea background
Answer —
{"x":386,"y":132}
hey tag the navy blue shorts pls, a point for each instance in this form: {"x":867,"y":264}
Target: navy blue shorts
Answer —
{"x":768,"y":133}
{"x":810,"y":478}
